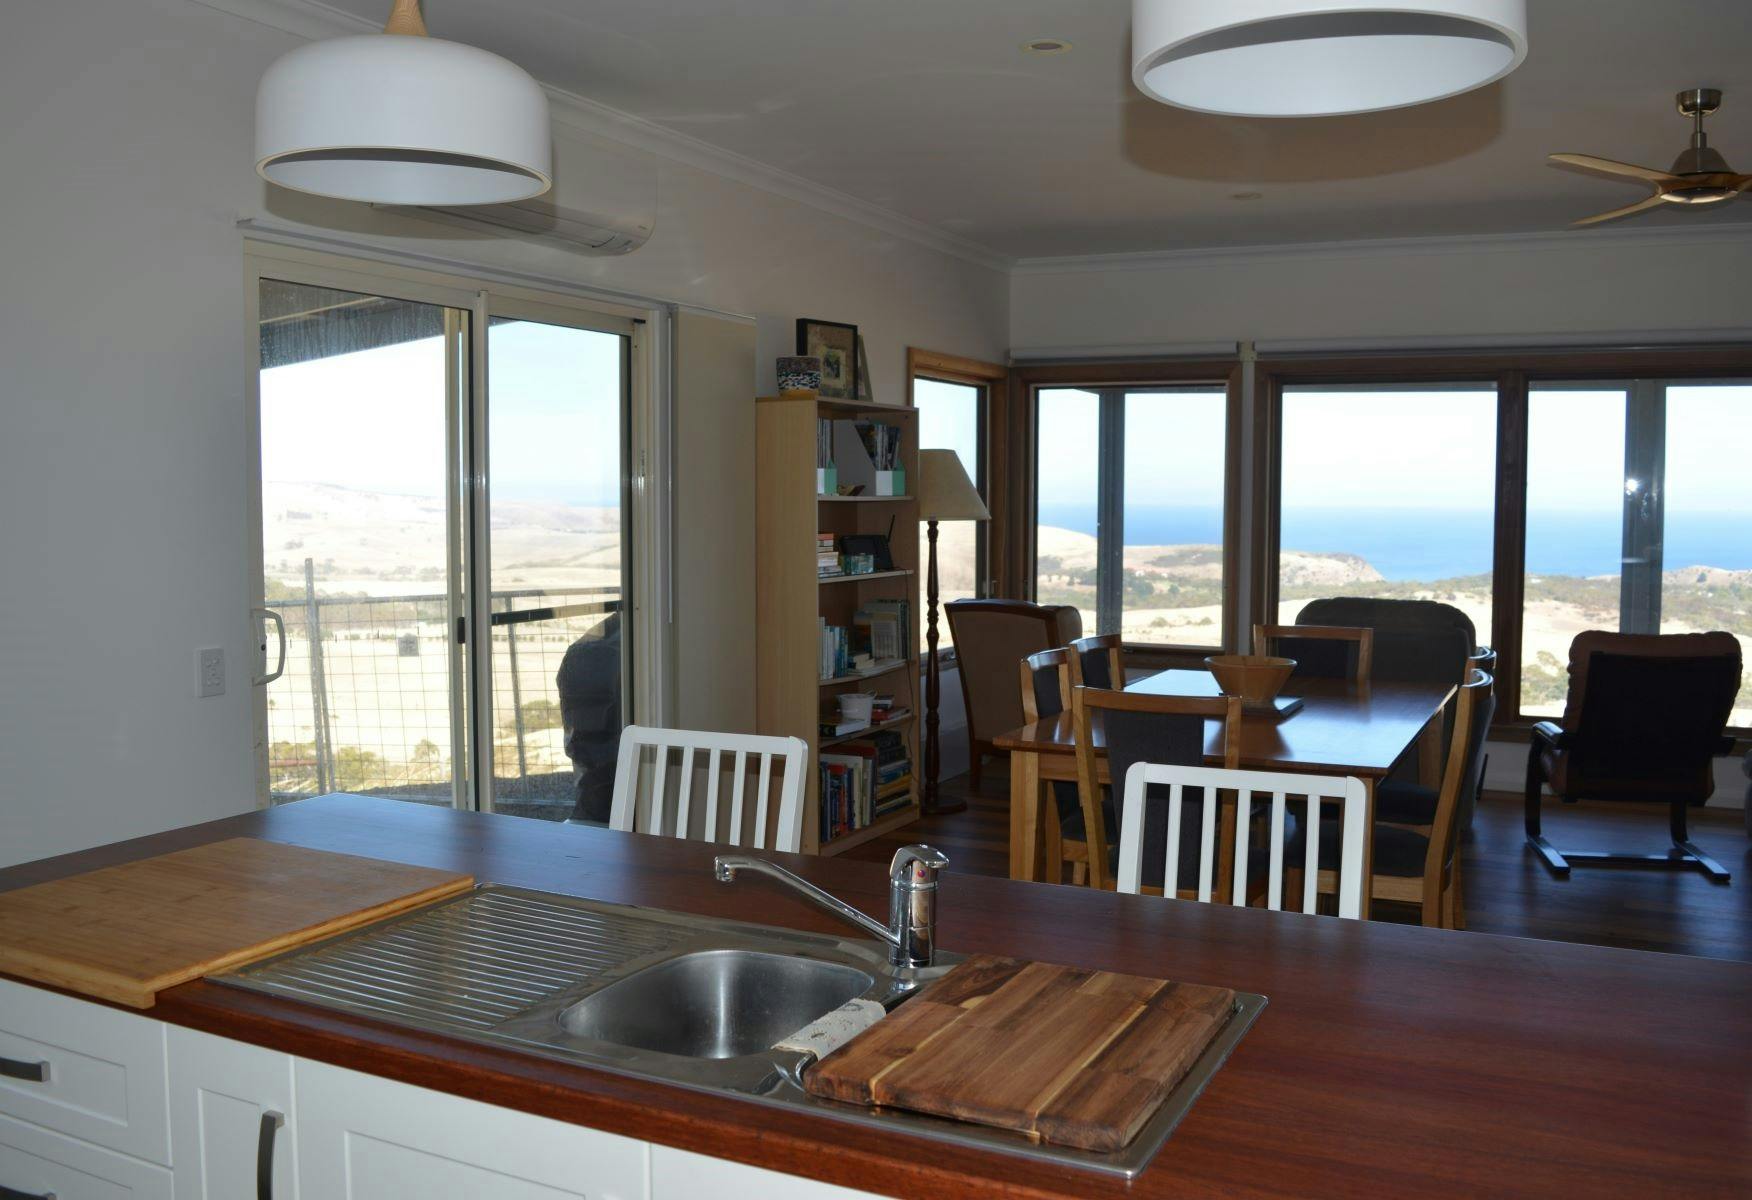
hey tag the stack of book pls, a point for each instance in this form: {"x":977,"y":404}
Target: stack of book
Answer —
{"x":864,"y":780}
{"x":883,"y":710}
{"x":827,"y":559}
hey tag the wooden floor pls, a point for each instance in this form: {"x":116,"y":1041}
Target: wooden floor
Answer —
{"x":1508,"y":890}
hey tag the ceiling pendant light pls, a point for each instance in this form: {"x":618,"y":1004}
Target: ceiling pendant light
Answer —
{"x":401,"y":118}
{"x":1311,"y":58}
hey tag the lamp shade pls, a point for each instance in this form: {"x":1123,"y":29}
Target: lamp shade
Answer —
{"x":388,"y":118}
{"x":945,"y":491}
{"x":1307,"y":58}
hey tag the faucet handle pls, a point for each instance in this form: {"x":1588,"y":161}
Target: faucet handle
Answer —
{"x":916,"y":866}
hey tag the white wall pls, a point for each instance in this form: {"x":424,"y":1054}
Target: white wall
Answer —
{"x":1620,"y":286}
{"x":123,"y":455}
{"x":1551,"y":289}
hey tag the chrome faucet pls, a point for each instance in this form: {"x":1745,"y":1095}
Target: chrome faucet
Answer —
{"x":912,"y":900}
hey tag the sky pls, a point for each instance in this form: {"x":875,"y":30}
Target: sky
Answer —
{"x":1433,"y":449}
{"x":374,"y":420}
{"x":1174,"y":447}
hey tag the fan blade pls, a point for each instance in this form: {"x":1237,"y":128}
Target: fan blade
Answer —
{"x":1629,"y":209}
{"x":1605,"y":166}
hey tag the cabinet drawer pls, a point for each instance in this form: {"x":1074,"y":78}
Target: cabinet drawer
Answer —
{"x":365,"y":1138}
{"x":681,"y":1175}
{"x":37,"y":1162}
{"x":105,"y":1068}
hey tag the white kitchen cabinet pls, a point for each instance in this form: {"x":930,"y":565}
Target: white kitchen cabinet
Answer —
{"x":103,"y":1071}
{"x":365,"y":1138}
{"x":37,"y":1162}
{"x":680,"y":1175}
{"x":231,"y":1110}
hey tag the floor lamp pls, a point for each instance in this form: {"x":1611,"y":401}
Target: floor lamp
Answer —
{"x":945,"y":494}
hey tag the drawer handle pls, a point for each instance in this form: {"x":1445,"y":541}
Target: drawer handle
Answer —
{"x":30,"y":1072}
{"x":7,"y":1193}
{"x":271,"y":1122}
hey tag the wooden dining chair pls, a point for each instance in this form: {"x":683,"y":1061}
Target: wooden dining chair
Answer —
{"x":1321,"y":651}
{"x":1422,"y":867}
{"x":1289,"y":875}
{"x":1098,"y":661}
{"x":991,"y":637}
{"x":1046,"y":692}
{"x":751,"y":761}
{"x":1137,"y":727}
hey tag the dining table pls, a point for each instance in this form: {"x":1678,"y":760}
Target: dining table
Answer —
{"x":1341,"y":727}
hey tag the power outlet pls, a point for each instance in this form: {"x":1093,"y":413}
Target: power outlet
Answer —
{"x":211,"y":664}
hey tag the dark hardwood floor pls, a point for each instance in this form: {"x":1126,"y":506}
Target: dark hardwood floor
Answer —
{"x":1507,"y":889}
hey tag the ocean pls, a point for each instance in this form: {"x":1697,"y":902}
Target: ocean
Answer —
{"x":1416,"y":544}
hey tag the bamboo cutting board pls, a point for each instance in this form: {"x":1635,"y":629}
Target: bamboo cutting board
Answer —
{"x":124,"y":933}
{"x":1073,"y":1057}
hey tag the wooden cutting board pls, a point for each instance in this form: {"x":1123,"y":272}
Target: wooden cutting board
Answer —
{"x":124,"y":933}
{"x":1073,"y":1057}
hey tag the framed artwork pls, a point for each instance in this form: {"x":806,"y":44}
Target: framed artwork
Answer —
{"x":836,"y":345}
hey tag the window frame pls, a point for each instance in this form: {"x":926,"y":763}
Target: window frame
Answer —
{"x":484,"y":293}
{"x":1515,"y":374}
{"x":1026,"y":384}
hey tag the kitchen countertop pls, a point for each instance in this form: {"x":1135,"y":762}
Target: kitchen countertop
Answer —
{"x":1391,"y":1061}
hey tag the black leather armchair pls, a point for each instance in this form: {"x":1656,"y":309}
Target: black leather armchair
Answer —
{"x":1645,"y":719}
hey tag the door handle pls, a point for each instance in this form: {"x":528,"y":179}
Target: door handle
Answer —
{"x":30,"y":1072}
{"x":271,"y":1122}
{"x":280,"y":667}
{"x":7,"y":1193}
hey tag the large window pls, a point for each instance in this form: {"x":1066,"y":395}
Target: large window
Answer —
{"x":1637,"y":520}
{"x":1388,"y":491}
{"x":1545,"y":499}
{"x":1129,"y":516}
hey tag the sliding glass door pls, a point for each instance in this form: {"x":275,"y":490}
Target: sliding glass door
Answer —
{"x":444,"y":538}
{"x":556,"y":452}
{"x":357,"y":401}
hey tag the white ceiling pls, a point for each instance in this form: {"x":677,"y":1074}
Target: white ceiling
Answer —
{"x":931,"y":109}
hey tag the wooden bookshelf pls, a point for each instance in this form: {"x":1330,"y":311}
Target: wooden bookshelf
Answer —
{"x":792,"y":597}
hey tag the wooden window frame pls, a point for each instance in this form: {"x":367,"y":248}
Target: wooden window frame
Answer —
{"x":1019,"y":550}
{"x":1515,"y":375}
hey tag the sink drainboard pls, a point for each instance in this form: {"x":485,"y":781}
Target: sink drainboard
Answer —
{"x":465,"y":964}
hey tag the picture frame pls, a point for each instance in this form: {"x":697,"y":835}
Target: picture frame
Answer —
{"x":836,"y":345}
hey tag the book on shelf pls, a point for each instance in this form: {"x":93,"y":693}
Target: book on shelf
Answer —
{"x":888,"y":626}
{"x":862,"y":780}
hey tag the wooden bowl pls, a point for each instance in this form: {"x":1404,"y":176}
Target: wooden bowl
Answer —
{"x":1256,"y":678}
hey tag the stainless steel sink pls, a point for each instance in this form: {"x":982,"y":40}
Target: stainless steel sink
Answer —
{"x":715,"y":1003}
{"x":693,"y":1001}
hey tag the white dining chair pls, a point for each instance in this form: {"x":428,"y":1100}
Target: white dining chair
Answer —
{"x":1248,"y":787}
{"x":668,"y":807}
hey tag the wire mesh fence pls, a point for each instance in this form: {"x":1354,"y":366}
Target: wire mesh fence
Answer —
{"x":366,"y":700}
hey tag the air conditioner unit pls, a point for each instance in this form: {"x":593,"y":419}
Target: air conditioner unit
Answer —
{"x":581,"y":232}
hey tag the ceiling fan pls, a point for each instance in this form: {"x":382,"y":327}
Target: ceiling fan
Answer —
{"x":1700,"y":176}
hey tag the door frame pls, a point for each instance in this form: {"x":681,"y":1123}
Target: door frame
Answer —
{"x":646,"y":480}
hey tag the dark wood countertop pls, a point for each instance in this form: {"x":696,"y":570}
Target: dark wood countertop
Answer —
{"x":1392,"y":1061}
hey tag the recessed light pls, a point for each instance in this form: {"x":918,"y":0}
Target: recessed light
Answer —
{"x":1047,"y":45}
{"x":1245,"y":195}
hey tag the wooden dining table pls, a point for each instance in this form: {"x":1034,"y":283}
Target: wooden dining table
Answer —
{"x":1341,"y":728}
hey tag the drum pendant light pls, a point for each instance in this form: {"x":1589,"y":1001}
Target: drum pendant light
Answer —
{"x":401,"y":118}
{"x":1308,"y":58}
